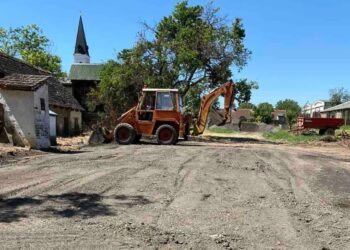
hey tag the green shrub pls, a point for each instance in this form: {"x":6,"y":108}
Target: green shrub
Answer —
{"x":290,"y":137}
{"x":343,"y":128}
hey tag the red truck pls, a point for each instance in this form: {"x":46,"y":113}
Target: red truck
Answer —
{"x":326,"y":126}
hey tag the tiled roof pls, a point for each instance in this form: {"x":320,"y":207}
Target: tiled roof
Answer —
{"x":19,"y":75}
{"x":60,"y":96}
{"x":85,"y":71}
{"x":345,"y":105}
{"x":10,"y":65}
{"x":22,"y":82}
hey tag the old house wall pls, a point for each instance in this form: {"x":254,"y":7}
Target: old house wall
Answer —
{"x":62,"y":120}
{"x":53,"y":130}
{"x":42,"y":117}
{"x":76,"y":122}
{"x":19,"y":119}
{"x":25,"y":120}
{"x":69,"y":122}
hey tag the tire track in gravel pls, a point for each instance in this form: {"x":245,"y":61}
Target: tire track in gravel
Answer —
{"x":286,"y":194}
{"x":177,"y":184}
{"x":308,"y":220}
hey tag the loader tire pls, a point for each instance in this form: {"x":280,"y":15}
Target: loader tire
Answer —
{"x":166,"y":135}
{"x":124,"y":134}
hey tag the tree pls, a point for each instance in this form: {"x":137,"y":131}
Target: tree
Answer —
{"x":31,"y":45}
{"x":263,"y":112}
{"x":292,"y":109}
{"x":193,"y":49}
{"x":338,"y":96}
{"x":243,"y":90}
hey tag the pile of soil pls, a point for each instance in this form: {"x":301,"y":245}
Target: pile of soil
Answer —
{"x":10,"y":154}
{"x":73,"y":143}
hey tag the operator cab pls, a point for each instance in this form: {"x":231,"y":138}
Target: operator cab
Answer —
{"x":157,"y":100}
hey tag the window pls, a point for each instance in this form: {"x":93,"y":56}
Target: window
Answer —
{"x":166,"y":101}
{"x":148,"y":103}
{"x":42,"y":103}
{"x":149,"y":100}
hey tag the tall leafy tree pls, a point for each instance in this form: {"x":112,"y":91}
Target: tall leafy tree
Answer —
{"x":292,"y":109}
{"x":244,"y":91}
{"x":338,"y":96}
{"x":263,"y":112}
{"x":30,"y":44}
{"x":193,"y":49}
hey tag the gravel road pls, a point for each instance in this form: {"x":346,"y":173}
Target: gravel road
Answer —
{"x":190,"y":196}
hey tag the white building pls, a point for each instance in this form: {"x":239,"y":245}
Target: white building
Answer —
{"x":25,"y":101}
{"x":24,"y":87}
{"x":315,"y":109}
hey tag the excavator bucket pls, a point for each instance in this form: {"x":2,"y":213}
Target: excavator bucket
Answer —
{"x":217,"y":118}
{"x":100,"y":135}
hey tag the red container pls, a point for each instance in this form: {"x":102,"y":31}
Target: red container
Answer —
{"x":320,"y":123}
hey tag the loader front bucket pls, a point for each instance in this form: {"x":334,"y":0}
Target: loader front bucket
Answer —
{"x":100,"y":135}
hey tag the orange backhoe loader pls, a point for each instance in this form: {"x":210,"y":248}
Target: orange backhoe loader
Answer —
{"x":160,"y":112}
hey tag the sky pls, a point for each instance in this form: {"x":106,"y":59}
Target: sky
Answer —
{"x":300,"y":49}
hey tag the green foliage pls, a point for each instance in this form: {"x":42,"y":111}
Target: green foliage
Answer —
{"x":246,"y":105}
{"x":258,"y":119}
{"x":219,"y":130}
{"x":30,"y":44}
{"x":292,"y":110}
{"x":193,"y":49}
{"x":338,"y":96}
{"x":289,"y":137}
{"x":343,"y":128}
{"x":192,"y":100}
{"x":243,"y":91}
{"x":119,"y":86}
{"x":346,"y":128}
{"x":263,"y":112}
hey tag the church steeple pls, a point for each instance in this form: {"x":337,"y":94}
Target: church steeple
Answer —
{"x":81,"y":52}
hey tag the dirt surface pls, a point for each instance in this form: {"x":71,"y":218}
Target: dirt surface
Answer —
{"x":11,"y":154}
{"x":194,"y":195}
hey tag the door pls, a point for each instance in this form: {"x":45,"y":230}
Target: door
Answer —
{"x":66,"y":126}
{"x":145,"y":113}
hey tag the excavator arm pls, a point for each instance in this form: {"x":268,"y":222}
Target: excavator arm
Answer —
{"x":206,"y":102}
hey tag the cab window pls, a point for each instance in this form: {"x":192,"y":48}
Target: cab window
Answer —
{"x":166,"y":101}
{"x":149,"y":100}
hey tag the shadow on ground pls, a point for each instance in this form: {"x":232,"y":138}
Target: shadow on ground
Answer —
{"x":83,"y":205}
{"x":57,"y":150}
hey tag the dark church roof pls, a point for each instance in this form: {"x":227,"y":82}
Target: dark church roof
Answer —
{"x":81,"y":46}
{"x":60,"y":96}
{"x":23,"y":81}
{"x":85,"y":72}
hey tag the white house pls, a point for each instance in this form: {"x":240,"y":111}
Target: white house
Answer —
{"x":24,"y":87}
{"x":25,"y":101}
{"x":314,"y":109}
